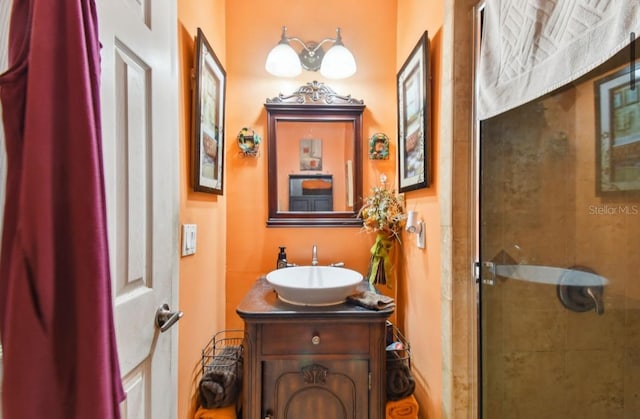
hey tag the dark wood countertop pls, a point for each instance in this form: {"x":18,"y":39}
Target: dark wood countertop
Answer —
{"x":262,"y":302}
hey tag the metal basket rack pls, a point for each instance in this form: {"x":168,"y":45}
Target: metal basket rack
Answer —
{"x":225,"y":349}
{"x":398,"y":348}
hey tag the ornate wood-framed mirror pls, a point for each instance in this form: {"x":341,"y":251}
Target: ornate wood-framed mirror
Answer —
{"x":314,"y":158}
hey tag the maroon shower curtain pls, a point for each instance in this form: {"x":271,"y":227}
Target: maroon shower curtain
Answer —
{"x":56,"y":319}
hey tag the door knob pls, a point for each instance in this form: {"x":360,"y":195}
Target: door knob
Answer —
{"x":165,"y":318}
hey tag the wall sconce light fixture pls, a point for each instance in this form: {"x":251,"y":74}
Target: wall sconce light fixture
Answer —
{"x":336,"y":63}
{"x":414,"y":225}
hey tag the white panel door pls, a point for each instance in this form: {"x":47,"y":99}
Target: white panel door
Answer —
{"x":140,"y":137}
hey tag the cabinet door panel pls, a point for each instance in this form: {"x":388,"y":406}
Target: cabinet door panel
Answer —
{"x":316,"y":389}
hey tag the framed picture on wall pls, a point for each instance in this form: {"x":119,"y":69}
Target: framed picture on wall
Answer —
{"x":618,"y":132}
{"x":208,"y":119}
{"x":414,"y":125}
{"x":310,"y":154}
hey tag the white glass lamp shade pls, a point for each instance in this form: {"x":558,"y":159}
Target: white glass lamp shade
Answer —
{"x":338,"y":63}
{"x":283,"y":61}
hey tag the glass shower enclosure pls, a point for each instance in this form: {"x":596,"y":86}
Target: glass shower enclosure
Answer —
{"x":559,"y":241}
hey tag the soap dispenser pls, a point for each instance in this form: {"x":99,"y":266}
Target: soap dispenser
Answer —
{"x":282,"y":258}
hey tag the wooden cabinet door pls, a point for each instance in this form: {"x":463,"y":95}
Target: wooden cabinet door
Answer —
{"x":316,"y":389}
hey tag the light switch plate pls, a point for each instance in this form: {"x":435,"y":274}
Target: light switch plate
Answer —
{"x":189,"y":235}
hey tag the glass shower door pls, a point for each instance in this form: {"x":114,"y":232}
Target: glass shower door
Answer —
{"x":559,"y":292}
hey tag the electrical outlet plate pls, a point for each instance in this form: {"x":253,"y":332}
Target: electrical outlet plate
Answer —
{"x":189,"y":235}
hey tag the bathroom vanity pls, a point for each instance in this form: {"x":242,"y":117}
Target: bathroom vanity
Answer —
{"x":312,"y":362}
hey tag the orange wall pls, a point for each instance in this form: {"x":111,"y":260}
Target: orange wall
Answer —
{"x":202,"y":276}
{"x":419,"y":286}
{"x":253,"y":28}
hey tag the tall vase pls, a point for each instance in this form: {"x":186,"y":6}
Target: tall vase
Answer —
{"x":380,"y":266}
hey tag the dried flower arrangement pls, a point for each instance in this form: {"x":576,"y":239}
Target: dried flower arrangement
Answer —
{"x":382,"y":213}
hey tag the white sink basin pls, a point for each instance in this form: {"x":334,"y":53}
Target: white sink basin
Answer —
{"x":314,"y":285}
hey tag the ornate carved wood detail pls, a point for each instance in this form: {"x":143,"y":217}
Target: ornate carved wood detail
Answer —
{"x":315,"y":374}
{"x":315,"y":92}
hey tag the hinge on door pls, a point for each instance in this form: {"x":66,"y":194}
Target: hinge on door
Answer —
{"x":369,"y":381}
{"x":485,"y":272}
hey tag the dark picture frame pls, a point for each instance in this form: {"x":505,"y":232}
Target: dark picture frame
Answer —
{"x":414,"y":119}
{"x":617,"y":108}
{"x":208,"y":119}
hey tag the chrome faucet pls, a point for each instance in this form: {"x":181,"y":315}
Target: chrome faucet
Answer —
{"x":314,"y":255}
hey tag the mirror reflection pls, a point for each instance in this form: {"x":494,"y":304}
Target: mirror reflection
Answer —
{"x":315,"y":166}
{"x":314,"y":158}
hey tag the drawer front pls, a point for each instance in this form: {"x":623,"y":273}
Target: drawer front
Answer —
{"x":310,"y":338}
